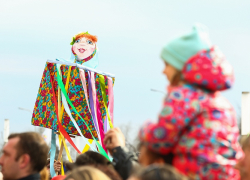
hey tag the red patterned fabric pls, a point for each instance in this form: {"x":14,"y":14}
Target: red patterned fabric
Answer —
{"x":209,"y":70}
{"x":197,"y":124}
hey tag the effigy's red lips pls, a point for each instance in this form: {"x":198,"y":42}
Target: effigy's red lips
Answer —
{"x":81,"y":50}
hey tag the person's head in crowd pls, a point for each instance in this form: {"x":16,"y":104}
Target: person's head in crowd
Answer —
{"x":94,"y":159}
{"x":157,"y":172}
{"x":176,"y":53}
{"x":244,"y":163}
{"x":110,"y":172}
{"x":148,"y":157}
{"x":48,"y":163}
{"x":86,"y":173}
{"x":89,"y":158}
{"x":24,"y":154}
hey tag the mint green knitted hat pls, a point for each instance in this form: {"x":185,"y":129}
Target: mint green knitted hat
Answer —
{"x":180,"y":49}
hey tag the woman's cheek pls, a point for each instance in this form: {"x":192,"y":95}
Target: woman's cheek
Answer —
{"x":74,"y":48}
{"x":92,"y":48}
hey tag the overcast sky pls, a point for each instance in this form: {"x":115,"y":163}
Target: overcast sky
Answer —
{"x":130,"y":34}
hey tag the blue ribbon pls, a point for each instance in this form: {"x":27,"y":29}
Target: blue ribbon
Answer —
{"x":52,"y":153}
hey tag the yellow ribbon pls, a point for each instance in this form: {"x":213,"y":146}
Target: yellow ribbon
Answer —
{"x":62,"y":169}
{"x":86,"y":148}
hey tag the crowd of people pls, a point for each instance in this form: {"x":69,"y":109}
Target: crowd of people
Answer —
{"x":196,"y":135}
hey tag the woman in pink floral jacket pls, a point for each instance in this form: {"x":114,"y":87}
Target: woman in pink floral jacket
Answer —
{"x":197,"y":125}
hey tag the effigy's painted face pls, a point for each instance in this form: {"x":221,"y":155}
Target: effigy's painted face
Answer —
{"x":83,"y":48}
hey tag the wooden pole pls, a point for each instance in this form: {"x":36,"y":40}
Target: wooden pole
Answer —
{"x":60,"y":152}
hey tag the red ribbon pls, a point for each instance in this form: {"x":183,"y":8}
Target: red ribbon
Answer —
{"x":61,"y":129}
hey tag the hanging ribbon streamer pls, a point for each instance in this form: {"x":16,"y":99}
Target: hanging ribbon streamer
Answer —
{"x":92,"y":80}
{"x":111,"y":104}
{"x":99,"y":115}
{"x":102,"y":84}
{"x":91,"y":100}
{"x":60,"y":83}
{"x":83,"y":79}
{"x":62,"y":140}
{"x":74,"y":122}
{"x":67,"y":110}
{"x":111,"y":99}
{"x":97,"y":110}
{"x":86,"y":148}
{"x":66,"y":88}
{"x":52,"y":153}
{"x":62,"y":130}
{"x":106,"y":124}
{"x":61,"y":109}
{"x":62,"y":169}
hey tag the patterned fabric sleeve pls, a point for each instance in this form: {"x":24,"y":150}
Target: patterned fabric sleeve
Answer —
{"x":180,"y":107}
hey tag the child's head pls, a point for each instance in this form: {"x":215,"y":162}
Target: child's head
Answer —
{"x":164,"y":172}
{"x":173,"y":75}
{"x":176,"y":53}
{"x":83,"y":45}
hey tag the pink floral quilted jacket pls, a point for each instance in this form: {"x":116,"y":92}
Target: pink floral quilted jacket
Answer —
{"x":196,"y":123}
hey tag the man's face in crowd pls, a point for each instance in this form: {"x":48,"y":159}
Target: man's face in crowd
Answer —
{"x":10,"y":165}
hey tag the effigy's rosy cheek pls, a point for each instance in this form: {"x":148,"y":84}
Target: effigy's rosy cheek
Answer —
{"x":74,"y":47}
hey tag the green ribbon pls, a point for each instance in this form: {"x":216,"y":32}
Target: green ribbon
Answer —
{"x":61,"y":85}
{"x":102,"y":83}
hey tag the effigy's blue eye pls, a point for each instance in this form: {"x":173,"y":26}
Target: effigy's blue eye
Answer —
{"x":78,"y":40}
{"x":89,"y":42}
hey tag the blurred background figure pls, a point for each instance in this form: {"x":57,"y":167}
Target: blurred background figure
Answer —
{"x":154,"y":172}
{"x":86,"y":173}
{"x":89,"y":158}
{"x":93,"y":159}
{"x":196,"y":127}
{"x":24,"y":156}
